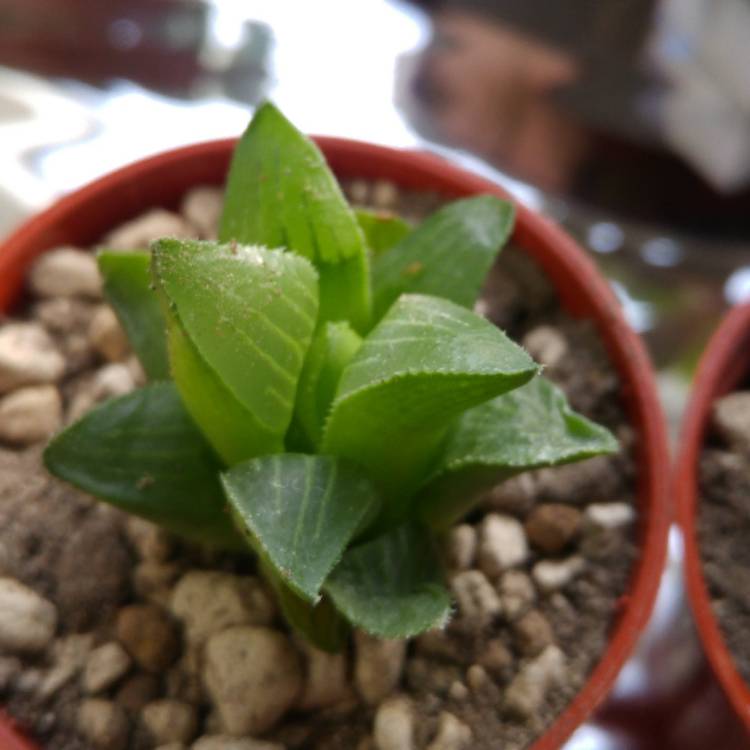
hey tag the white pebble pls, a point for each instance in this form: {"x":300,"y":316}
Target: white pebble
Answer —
{"x":502,"y":544}
{"x":525,"y":694}
{"x":462,"y":546}
{"x":253,"y":677}
{"x":452,"y":734}
{"x":517,"y":593}
{"x":609,"y":515}
{"x":66,"y":272}
{"x":552,"y":575}
{"x":106,"y":664}
{"x":478,"y":602}
{"x":731,"y":419}
{"x":394,"y":725}
{"x":546,"y":345}
{"x":103,"y":723}
{"x":202,"y":207}
{"x":225,"y":742}
{"x":106,"y":335}
{"x":378,"y":665}
{"x":168,"y":720}
{"x":28,"y":356}
{"x":27,"y":621}
{"x":30,"y":414}
{"x":139,"y":233}
{"x":68,"y":657}
{"x":112,"y":380}
{"x":208,"y":602}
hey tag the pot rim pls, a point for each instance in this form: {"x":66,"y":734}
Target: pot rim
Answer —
{"x":725,"y":361}
{"x":582,"y":290}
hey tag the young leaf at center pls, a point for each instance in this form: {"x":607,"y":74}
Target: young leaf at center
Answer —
{"x":301,"y":511}
{"x":426,"y":362}
{"x":281,"y":193}
{"x":239,"y":321}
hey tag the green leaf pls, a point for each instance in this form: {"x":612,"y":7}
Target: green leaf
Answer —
{"x":392,"y":586}
{"x":319,"y":623}
{"x":281,"y":193}
{"x":528,"y":428}
{"x":301,"y":511}
{"x":426,"y":362}
{"x":239,"y":321}
{"x":142,"y":453}
{"x":448,"y":255}
{"x":382,"y":230}
{"x":128,"y":287}
{"x":332,"y":349}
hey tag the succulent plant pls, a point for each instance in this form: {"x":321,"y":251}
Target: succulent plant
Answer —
{"x":321,"y":391}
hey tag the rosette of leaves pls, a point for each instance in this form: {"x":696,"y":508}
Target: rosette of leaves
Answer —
{"x":320,"y":391}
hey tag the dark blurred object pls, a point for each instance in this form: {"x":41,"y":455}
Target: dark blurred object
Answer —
{"x":569,"y":97}
{"x":153,"y":42}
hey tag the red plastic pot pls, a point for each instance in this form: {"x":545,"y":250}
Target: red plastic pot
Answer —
{"x":725,"y":363}
{"x":83,"y":217}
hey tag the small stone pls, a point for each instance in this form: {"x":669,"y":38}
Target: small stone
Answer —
{"x":533,"y":633}
{"x":393,"y":728}
{"x":103,"y":723}
{"x":478,"y":602}
{"x":148,"y":635}
{"x":150,"y":541}
{"x":202,"y":208}
{"x":546,"y":345}
{"x":69,"y":654}
{"x":517,"y":593}
{"x":112,"y":380}
{"x":225,"y":742}
{"x":28,"y":356}
{"x":452,"y":734}
{"x":30,"y":414}
{"x":552,"y":527}
{"x":526,"y":693}
{"x":66,"y":272}
{"x":170,"y":721}
{"x":139,"y":233}
{"x":458,"y":691}
{"x":731,"y":419}
{"x":171,"y":746}
{"x":64,"y":314}
{"x":609,"y":515}
{"x":553,"y":575}
{"x":384,"y":194}
{"x":183,"y":681}
{"x":462,"y":547}
{"x":137,"y":691}
{"x":514,"y":496}
{"x":477,"y":678}
{"x":106,"y":664}
{"x":208,"y":602}
{"x":27,"y":621}
{"x":153,"y":580}
{"x":378,"y":665}
{"x":106,"y":335}
{"x":359,"y":192}
{"x":496,"y":658}
{"x":502,"y":544}
{"x":326,"y":681}
{"x":253,"y":676}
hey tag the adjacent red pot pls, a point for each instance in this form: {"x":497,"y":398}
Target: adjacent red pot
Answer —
{"x":725,"y":363}
{"x":82,"y":218}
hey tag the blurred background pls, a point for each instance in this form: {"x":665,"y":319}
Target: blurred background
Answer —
{"x":628,"y":121}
